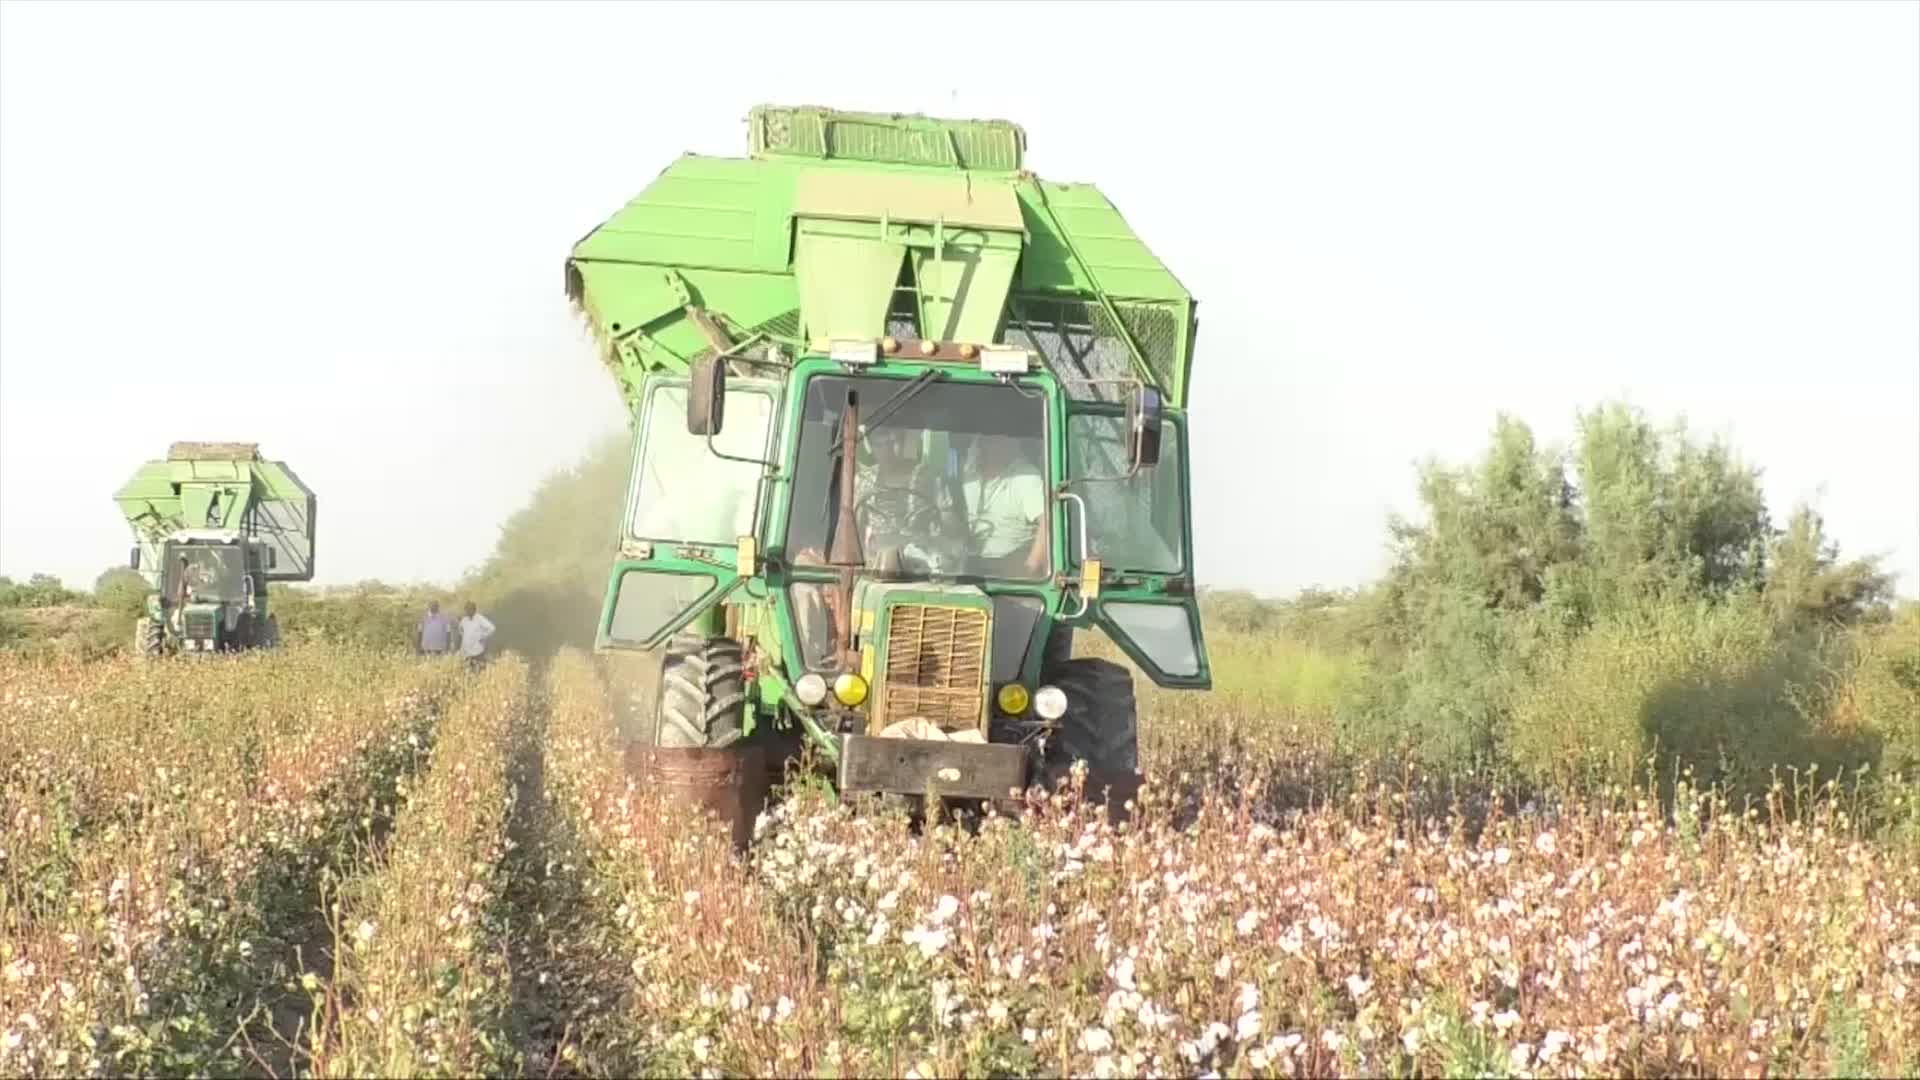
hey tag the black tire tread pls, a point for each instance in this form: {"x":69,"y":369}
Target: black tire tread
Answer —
{"x":702,"y":694}
{"x":150,"y":637}
{"x":1102,"y":723}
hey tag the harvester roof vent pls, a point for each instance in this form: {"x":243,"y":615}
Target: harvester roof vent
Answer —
{"x":214,"y":451}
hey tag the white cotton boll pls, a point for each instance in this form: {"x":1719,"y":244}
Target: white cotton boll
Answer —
{"x":1249,"y":997}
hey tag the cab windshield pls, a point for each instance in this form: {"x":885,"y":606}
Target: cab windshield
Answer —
{"x":208,"y":572}
{"x":950,"y":479}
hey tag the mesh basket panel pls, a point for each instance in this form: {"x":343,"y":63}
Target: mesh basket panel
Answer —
{"x":961,"y":145}
{"x":880,"y":142}
{"x":784,"y":327}
{"x":1076,"y":341}
{"x":794,"y":133}
{"x":1156,"y":330}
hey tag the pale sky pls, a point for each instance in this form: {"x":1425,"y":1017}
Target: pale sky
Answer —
{"x":339,"y":230}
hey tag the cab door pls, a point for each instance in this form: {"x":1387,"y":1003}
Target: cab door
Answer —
{"x":1140,"y":529}
{"x":690,"y":501}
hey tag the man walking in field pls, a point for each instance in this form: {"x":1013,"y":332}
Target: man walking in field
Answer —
{"x":435,"y":635}
{"x":475,"y":629}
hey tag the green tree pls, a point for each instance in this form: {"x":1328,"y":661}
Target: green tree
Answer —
{"x":40,"y":590}
{"x":1663,"y":517}
{"x":1495,"y":531}
{"x":1808,"y":584}
{"x":1236,"y":610}
{"x":1513,"y":561}
{"x":1457,"y":613}
{"x":121,"y":590}
{"x":547,"y":575}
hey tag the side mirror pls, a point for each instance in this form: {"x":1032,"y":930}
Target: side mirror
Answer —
{"x":1143,"y":427}
{"x":272,"y":558}
{"x":707,"y":397}
{"x":133,"y":559}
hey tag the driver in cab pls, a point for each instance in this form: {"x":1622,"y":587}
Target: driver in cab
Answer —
{"x":897,"y":510}
{"x":196,"y":575}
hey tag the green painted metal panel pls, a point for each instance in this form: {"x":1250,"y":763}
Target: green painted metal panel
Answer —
{"x":858,"y":195}
{"x":963,"y":292}
{"x":746,"y":304}
{"x":627,"y":298}
{"x":846,"y":283}
{"x":716,"y":213}
{"x":1117,"y":257}
{"x":889,"y":174}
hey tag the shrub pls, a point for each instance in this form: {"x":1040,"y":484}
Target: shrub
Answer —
{"x":122,"y":591}
{"x":369,"y":615}
{"x":1878,"y":693}
{"x":40,"y":590}
{"x":1717,"y":691}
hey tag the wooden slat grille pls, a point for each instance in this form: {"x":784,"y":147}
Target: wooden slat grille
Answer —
{"x":936,"y":665}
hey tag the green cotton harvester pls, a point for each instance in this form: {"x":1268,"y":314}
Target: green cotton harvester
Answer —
{"x":213,"y":523}
{"x":905,"y":417}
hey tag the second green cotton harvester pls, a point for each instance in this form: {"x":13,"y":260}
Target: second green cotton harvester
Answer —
{"x":213,"y":523}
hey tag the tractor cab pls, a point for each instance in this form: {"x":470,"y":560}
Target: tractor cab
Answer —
{"x":205,"y":572}
{"x":211,"y":594}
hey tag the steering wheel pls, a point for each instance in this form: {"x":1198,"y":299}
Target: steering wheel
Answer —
{"x":916,"y":520}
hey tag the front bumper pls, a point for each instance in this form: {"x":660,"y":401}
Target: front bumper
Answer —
{"x":925,"y":766}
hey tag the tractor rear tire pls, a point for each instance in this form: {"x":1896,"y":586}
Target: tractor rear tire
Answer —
{"x":703,"y":699}
{"x":269,"y":633}
{"x":149,"y":638}
{"x":1102,"y":723}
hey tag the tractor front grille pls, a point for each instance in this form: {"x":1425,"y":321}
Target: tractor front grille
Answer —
{"x":936,"y":665}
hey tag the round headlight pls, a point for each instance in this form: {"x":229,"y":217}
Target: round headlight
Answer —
{"x":1012,"y":699}
{"x":1050,"y":703}
{"x":851,"y":689}
{"x":811,"y":688}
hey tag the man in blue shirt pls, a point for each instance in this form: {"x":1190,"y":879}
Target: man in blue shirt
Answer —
{"x":435,"y":636}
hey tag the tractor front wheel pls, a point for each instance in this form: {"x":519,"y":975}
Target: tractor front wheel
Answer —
{"x":149,"y":638}
{"x":691,"y":750}
{"x":1101,"y":727}
{"x":702,"y":694}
